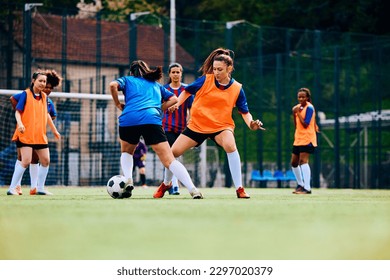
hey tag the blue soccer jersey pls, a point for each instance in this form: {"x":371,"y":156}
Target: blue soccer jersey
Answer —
{"x":143,"y":101}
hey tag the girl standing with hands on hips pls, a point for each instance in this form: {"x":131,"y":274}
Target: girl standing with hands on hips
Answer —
{"x":216,"y":94}
{"x":305,"y":140}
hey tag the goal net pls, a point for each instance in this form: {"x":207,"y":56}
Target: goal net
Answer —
{"x":88,"y":153}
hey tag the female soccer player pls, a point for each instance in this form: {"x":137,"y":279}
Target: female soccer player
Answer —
{"x":141,"y":116}
{"x":53,"y":80}
{"x":30,"y":134}
{"x":175,"y":122}
{"x":305,"y":140}
{"x":216,"y":94}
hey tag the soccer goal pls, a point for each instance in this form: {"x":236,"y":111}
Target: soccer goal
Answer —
{"x":88,"y":153}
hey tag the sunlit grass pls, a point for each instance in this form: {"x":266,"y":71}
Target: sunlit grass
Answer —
{"x":85,"y":223}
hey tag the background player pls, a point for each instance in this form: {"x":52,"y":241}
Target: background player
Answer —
{"x":305,"y":140}
{"x":53,"y":81}
{"x":175,"y":122}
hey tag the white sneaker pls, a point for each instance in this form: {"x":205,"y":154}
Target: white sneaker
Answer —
{"x":195,"y":193}
{"x":44,"y":193}
{"x":12,"y":192}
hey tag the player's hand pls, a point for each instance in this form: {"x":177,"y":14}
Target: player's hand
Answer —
{"x":143,"y":158}
{"x":256,"y":125}
{"x":120,"y":106}
{"x":173,"y":108}
{"x":57,"y":135}
{"x":297,"y":108}
{"x":21,"y":128}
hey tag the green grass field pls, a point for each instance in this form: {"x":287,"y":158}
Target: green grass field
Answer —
{"x":85,"y":223}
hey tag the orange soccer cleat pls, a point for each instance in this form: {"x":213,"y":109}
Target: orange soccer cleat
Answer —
{"x":33,"y":191}
{"x":159,"y":193}
{"x":241,"y":193}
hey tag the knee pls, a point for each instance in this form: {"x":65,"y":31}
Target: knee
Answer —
{"x":45,"y":162}
{"x":230,"y":148}
{"x":301,"y":161}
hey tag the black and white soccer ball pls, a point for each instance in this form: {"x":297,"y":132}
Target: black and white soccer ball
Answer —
{"x":116,"y":186}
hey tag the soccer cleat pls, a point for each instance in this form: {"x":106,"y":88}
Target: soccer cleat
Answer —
{"x":241,"y":193}
{"x":303,"y":191}
{"x":12,"y":192}
{"x":196,"y":194}
{"x":174,"y":190}
{"x":18,"y":189}
{"x":298,"y":188}
{"x":128,"y":191}
{"x":44,"y":193}
{"x":159,"y":193}
{"x":33,"y":191}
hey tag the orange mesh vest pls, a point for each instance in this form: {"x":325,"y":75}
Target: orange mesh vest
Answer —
{"x":304,"y":136}
{"x":212,"y":107}
{"x":34,"y":118}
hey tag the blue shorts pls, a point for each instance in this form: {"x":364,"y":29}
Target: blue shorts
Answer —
{"x":138,"y":163}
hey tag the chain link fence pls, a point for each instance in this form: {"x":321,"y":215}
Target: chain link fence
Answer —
{"x":348,"y":75}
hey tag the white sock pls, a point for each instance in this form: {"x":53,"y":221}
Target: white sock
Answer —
{"x":20,"y":181}
{"x":175,"y":182}
{"x":168,"y":176}
{"x":34,"y":167}
{"x":42,"y":174}
{"x":127,"y":164}
{"x":306,"y":175}
{"x":298,"y":175}
{"x":182,"y":175}
{"x":235,"y":168}
{"x":16,"y":177}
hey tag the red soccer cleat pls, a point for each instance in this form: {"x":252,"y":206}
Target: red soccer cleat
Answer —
{"x":161,"y":190}
{"x":241,"y":193}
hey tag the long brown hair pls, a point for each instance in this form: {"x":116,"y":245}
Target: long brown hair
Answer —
{"x":139,"y":68}
{"x":175,"y":64}
{"x":219,"y":54}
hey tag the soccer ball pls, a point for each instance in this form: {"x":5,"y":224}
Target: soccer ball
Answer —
{"x":116,"y":186}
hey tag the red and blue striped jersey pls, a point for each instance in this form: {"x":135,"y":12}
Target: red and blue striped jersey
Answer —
{"x":177,"y":121}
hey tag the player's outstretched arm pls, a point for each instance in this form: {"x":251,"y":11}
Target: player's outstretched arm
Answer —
{"x":182,"y":97}
{"x":251,"y":123}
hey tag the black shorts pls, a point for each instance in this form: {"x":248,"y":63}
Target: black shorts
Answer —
{"x":152,"y":134}
{"x":200,"y":137}
{"x":296,"y":150}
{"x":34,"y":146}
{"x":171,"y":136}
